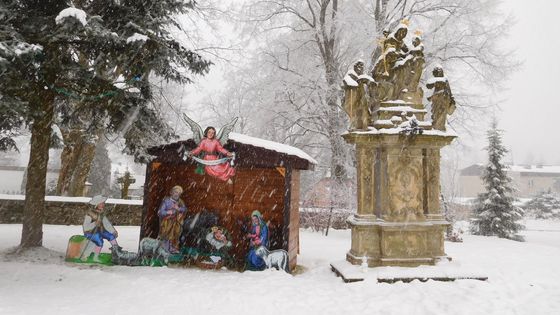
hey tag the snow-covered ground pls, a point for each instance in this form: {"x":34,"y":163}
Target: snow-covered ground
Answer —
{"x":524,"y":278}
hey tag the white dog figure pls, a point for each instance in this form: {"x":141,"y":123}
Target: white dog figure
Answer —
{"x":276,"y":258}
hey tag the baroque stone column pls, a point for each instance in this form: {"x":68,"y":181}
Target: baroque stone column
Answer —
{"x":398,"y":220}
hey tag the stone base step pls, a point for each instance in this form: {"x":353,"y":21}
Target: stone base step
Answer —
{"x":354,"y":273}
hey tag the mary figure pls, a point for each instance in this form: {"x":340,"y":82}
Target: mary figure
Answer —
{"x":258,"y":236}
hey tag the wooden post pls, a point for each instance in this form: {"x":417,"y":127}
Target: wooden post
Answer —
{"x":287,"y":208}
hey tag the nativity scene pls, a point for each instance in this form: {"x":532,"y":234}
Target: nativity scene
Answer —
{"x":220,"y":199}
{"x":233,"y":200}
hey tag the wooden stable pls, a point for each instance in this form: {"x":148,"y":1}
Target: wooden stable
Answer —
{"x":267,"y":179}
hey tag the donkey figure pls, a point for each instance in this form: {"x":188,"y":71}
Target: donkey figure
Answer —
{"x":276,"y":258}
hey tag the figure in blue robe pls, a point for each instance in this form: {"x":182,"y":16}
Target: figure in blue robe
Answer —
{"x":258,"y":236}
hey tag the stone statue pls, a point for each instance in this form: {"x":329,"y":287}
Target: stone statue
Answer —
{"x":384,"y":76}
{"x":443,"y":103}
{"x":398,"y":69}
{"x":396,"y":40}
{"x":355,"y":85}
{"x":417,"y":52}
{"x":398,"y":220}
{"x":411,"y":72}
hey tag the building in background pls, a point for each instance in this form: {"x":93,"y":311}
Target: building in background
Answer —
{"x":529,"y":180}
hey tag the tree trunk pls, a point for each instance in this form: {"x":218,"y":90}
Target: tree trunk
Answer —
{"x":81,"y":170}
{"x":100,"y":172}
{"x":68,"y":160}
{"x":34,"y":205}
{"x":338,"y":146}
{"x":76,"y":160}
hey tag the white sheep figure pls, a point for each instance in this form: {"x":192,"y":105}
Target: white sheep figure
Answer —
{"x":153,"y":248}
{"x":276,"y":258}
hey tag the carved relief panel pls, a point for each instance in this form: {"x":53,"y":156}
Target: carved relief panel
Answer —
{"x":405,"y":185}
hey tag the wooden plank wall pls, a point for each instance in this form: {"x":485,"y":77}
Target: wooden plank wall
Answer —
{"x":293,"y":243}
{"x":252,"y":189}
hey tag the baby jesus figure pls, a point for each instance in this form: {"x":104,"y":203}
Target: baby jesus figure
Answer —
{"x":217,"y":238}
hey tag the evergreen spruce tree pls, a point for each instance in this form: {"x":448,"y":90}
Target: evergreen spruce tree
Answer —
{"x":92,"y":59}
{"x":545,"y":205}
{"x":494,"y":211}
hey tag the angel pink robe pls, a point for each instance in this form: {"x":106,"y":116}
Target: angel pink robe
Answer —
{"x":222,"y":171}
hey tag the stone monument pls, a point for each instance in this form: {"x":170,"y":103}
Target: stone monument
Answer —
{"x":399,"y":221}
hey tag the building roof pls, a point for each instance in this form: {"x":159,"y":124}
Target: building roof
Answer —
{"x":249,"y":152}
{"x":525,"y":170}
{"x":473,"y":170}
{"x":551,"y":169}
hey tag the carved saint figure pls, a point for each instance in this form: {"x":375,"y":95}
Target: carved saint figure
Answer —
{"x":393,"y":67}
{"x":443,"y":103}
{"x":383,"y":75}
{"x":355,"y":101}
{"x":417,"y":52}
{"x":409,"y":71}
{"x":396,"y":40}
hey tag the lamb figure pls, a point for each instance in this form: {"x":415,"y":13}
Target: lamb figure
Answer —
{"x":276,"y":258}
{"x":153,"y":248}
{"x":123,"y":257}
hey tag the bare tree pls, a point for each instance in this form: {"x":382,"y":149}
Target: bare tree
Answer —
{"x":291,"y":82}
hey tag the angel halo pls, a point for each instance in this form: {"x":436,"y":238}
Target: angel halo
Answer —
{"x":211,"y":144}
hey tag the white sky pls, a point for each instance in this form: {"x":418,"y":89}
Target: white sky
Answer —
{"x":531,"y":108}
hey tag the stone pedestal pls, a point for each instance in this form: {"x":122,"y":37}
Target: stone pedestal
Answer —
{"x":398,"y":220}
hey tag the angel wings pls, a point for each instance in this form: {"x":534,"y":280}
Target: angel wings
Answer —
{"x":222,"y":135}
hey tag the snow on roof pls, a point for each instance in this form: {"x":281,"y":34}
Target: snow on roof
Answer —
{"x":271,"y":145}
{"x":80,"y":15}
{"x":548,"y":169}
{"x":534,"y":168}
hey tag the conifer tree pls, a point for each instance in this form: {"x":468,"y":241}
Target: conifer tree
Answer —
{"x":545,"y":205}
{"x":494,"y":211}
{"x":91,"y":59}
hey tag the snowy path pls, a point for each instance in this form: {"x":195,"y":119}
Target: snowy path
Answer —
{"x":523,"y":279}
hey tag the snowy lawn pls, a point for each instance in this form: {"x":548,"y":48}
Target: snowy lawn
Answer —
{"x":524,"y":278}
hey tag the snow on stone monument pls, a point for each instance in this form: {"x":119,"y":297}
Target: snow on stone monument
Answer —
{"x":399,"y":221}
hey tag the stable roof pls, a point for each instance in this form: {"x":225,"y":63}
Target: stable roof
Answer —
{"x":249,"y":152}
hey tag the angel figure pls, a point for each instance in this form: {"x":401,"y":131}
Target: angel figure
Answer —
{"x":210,"y":145}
